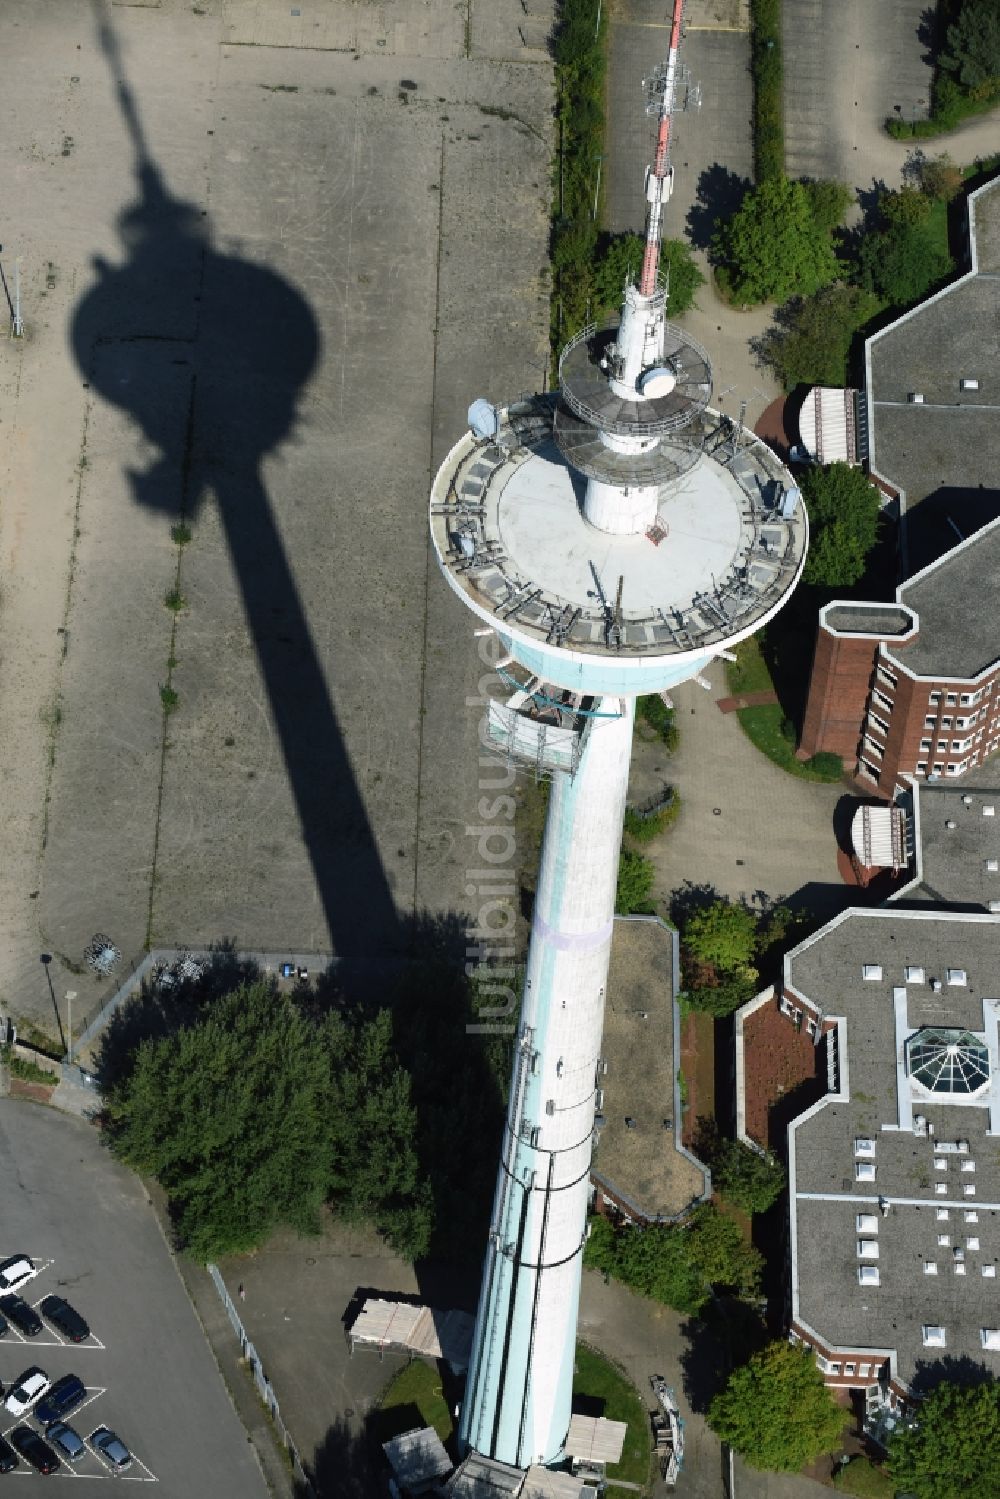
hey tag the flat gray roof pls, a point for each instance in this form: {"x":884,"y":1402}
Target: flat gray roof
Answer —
{"x":950,"y":441}
{"x":954,"y":861}
{"x":953,"y":599}
{"x":643,"y":1162}
{"x":918,"y":1176}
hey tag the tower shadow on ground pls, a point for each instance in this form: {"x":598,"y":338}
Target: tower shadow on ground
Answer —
{"x":248,"y":342}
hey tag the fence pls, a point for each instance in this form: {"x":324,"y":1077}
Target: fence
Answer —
{"x":264,"y":1387}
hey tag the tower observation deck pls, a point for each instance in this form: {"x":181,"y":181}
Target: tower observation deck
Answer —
{"x":617,"y":535}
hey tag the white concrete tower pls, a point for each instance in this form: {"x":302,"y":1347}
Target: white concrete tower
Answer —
{"x":617,"y":537}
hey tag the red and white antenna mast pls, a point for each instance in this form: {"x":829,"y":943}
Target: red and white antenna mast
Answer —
{"x":659,"y":174}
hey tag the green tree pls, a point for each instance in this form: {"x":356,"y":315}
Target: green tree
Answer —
{"x":952,"y":1451}
{"x":679,"y":1263}
{"x":811,"y":339}
{"x":828,"y":202}
{"x":619,"y":260}
{"x":773,"y":248}
{"x":721,"y":994}
{"x":776,"y":1412}
{"x":635,"y":883}
{"x":232,"y":1115}
{"x":723,"y":934}
{"x":972,"y":50}
{"x":752,"y":1181}
{"x":941,"y":178}
{"x":843,"y":523}
{"x":903,"y":261}
{"x":375,"y":1174}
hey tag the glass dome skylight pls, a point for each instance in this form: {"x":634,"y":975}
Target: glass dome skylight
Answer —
{"x":948,"y":1061}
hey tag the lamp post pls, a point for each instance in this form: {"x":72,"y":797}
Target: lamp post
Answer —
{"x":70,"y":996}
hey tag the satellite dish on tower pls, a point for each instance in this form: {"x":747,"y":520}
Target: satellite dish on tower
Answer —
{"x":483,"y":419}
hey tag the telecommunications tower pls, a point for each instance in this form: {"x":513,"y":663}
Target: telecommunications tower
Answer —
{"x":617,"y":536}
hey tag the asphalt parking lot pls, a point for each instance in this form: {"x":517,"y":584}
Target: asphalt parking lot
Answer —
{"x":150,"y":1376}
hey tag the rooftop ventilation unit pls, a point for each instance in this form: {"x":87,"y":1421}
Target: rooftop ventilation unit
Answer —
{"x":933,"y":1337}
{"x":871,"y":971}
{"x":957,"y":978}
{"x":966,"y":800}
{"x":915,"y":398}
{"x":989,"y":810}
{"x":995,"y":906}
{"x":993,"y":865}
{"x":868,"y":1275}
{"x":936,"y":985}
{"x":951,"y":823}
{"x":968,"y":384}
{"x":914,"y":974}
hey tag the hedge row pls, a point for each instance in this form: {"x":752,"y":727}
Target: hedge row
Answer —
{"x":580,"y":67}
{"x":768,"y":71}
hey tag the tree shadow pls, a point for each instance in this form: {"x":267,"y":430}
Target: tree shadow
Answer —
{"x":719,"y":195}
{"x":963,"y":1370}
{"x":688,"y":898}
{"x":727,"y":1334}
{"x":929,"y":34}
{"x":344,"y":1466}
{"x":209,"y":353}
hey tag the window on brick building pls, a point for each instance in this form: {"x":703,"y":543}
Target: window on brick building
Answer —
{"x":926,"y":744}
{"x":951,"y":699}
{"x":921,"y":767}
{"x":938,"y":766}
{"x":870,"y":744}
{"x":935,"y":697}
{"x":930,"y":721}
{"x":885,"y":675}
{"x":882,"y":700}
{"x":878,"y":723}
{"x":942,"y":746}
{"x":946,"y":723}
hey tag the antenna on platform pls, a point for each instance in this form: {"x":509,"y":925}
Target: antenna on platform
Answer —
{"x":662,"y":90}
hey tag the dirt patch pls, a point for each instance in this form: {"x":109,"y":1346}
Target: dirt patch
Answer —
{"x":745,"y":700}
{"x":40,"y":1092}
{"x":698,"y":1067}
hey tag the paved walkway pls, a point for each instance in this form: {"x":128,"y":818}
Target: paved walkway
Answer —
{"x":746,"y":827}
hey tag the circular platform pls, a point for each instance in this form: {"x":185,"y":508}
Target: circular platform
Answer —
{"x":512,"y":539}
{"x":583,"y":378}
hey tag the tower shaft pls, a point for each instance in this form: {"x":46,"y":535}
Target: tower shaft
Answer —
{"x":517,"y":1403}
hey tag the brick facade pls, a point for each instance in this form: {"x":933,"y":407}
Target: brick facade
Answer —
{"x":838,"y":693}
{"x":886,"y":723}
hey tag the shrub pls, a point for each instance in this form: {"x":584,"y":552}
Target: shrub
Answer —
{"x":828,"y":767}
{"x":773,"y":247}
{"x":776,"y":1411}
{"x":644,"y":827}
{"x":180,"y":534}
{"x":174,"y":600}
{"x":635,"y":884}
{"x":768,"y":108}
{"x":654,"y":712}
{"x":169,"y":698}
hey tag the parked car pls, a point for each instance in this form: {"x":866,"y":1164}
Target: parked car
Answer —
{"x":34,"y":1448}
{"x":8,"y":1457}
{"x":111,"y":1448}
{"x":25,"y":1391}
{"x":64,"y":1396}
{"x":23,"y":1316}
{"x":15,"y":1271}
{"x":67,"y":1442}
{"x":64,"y":1318}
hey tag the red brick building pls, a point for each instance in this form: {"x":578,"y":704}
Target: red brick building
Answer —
{"x":912,"y":688}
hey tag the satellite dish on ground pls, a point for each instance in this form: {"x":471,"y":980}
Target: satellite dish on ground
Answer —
{"x":483,"y":419}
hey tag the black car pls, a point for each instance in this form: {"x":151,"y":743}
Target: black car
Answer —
{"x":23,"y":1316}
{"x":65,"y":1318}
{"x":8,"y":1457}
{"x":64,"y":1396}
{"x":34,"y":1449}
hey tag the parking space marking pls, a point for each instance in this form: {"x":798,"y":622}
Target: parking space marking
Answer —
{"x":121,"y":1477}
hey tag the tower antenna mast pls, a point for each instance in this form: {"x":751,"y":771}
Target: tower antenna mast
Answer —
{"x":658,"y":175}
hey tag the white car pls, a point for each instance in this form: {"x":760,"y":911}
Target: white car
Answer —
{"x":15,"y":1271}
{"x":25,"y":1391}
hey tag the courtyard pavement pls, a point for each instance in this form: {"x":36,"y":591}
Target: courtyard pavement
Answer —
{"x":772,"y":835}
